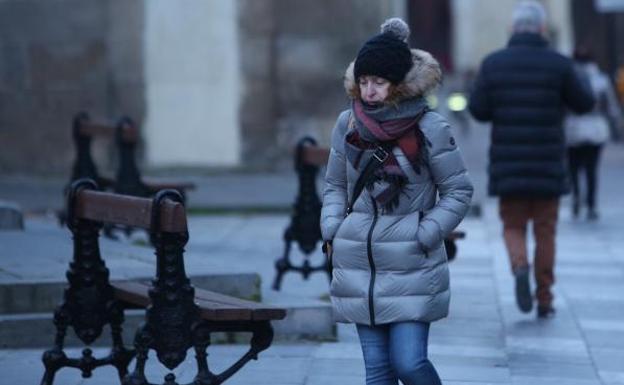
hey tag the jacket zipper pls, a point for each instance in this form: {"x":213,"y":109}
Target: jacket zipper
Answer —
{"x":371,"y":262}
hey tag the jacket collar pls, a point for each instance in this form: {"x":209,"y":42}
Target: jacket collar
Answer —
{"x":527,"y":39}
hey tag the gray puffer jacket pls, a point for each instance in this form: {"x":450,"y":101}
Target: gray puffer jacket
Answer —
{"x":393,"y":267}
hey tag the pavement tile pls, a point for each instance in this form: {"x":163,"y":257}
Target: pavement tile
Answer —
{"x":472,"y":373}
{"x":562,"y":371}
{"x":569,"y":346}
{"x":612,"y":378}
{"x":605,"y":309}
{"x":599,"y":324}
{"x":535,"y":380}
{"x":473,"y":383}
{"x":605,"y":339}
{"x":608,"y":360}
{"x":339,"y":366}
{"x":330,"y":379}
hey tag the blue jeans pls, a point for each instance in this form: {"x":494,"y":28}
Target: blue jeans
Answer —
{"x":397,"y":351}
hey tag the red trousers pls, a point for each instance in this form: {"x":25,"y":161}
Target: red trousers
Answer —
{"x":516,"y":214}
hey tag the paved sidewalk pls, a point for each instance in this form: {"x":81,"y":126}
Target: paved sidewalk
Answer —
{"x":486,"y":340}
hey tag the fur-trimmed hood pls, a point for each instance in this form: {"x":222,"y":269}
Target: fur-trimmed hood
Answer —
{"x":424,"y":76}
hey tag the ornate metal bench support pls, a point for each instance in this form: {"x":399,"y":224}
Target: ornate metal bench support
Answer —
{"x":88,"y":303}
{"x":172,"y":321}
{"x":128,"y":178}
{"x":260,"y":340}
{"x":262,"y":336}
{"x":84,"y":167}
{"x":305,"y":226}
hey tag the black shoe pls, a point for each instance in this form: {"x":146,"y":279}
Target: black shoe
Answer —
{"x":523,"y":289}
{"x":592,"y":215}
{"x":545,"y":311}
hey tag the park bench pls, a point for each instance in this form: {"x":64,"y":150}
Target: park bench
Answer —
{"x":304,"y":227}
{"x":128,"y":179}
{"x":177,"y":316}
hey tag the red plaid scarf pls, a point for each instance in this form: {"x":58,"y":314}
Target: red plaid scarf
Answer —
{"x":403,"y":133}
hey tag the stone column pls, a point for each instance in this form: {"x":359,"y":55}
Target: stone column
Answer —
{"x":191,"y":83}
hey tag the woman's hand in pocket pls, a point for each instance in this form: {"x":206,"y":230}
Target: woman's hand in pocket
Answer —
{"x":327,"y":248}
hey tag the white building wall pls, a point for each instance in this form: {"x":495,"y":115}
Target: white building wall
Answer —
{"x":394,"y":8}
{"x":192,"y":83}
{"x":560,"y":13}
{"x":482,"y":26}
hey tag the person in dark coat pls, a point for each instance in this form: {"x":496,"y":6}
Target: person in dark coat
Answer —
{"x":524,"y":89}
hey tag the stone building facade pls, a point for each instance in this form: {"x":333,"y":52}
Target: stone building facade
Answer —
{"x":212,"y":83}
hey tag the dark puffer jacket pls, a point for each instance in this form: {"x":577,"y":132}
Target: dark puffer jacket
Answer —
{"x":524,"y":90}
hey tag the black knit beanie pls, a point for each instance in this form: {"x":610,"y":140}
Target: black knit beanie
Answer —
{"x":386,"y":55}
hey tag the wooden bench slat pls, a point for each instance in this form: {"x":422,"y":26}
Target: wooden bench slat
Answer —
{"x":131,"y":292}
{"x":318,"y":156}
{"x":95,"y":129}
{"x":136,"y":293}
{"x":213,"y":306}
{"x":129,"y":133}
{"x":129,"y":210}
{"x":261,"y":312}
{"x":213,"y":311}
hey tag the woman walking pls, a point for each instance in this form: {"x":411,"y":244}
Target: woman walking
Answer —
{"x":382,"y":225}
{"x":587,"y":133}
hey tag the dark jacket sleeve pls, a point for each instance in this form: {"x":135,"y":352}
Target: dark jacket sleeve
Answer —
{"x":478,"y":104}
{"x":577,"y":92}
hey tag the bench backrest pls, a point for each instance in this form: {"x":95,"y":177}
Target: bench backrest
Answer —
{"x":305,"y":227}
{"x":129,"y":211}
{"x":126,"y":133}
{"x":314,"y":155}
{"x":82,"y":133}
{"x":128,"y":177}
{"x":83,"y":127}
{"x":164,"y":217}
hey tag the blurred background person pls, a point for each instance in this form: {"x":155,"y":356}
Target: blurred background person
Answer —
{"x":521,"y":89}
{"x":587,"y":133}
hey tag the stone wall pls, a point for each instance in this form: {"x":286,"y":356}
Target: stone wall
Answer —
{"x":293,"y":56}
{"x":58,"y":58}
{"x":192,"y":83}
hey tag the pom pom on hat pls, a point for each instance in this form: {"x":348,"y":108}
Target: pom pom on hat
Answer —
{"x":397,"y":27}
